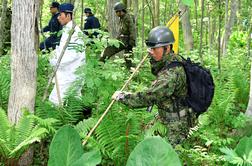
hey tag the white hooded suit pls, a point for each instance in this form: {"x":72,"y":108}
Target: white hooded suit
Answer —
{"x":72,"y":59}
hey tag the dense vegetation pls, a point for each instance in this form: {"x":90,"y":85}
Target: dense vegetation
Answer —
{"x":223,"y":135}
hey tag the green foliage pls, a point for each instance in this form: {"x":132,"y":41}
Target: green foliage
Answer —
{"x":115,"y":140}
{"x":72,"y":112}
{"x":242,"y":154}
{"x":238,"y":40}
{"x":4,"y":81}
{"x":156,"y":128}
{"x":84,"y":126}
{"x":223,"y":124}
{"x":15,"y":139}
{"x":43,"y":72}
{"x":188,"y":2}
{"x":66,"y":150}
{"x":153,"y":151}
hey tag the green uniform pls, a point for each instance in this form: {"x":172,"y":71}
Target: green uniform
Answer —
{"x":167,"y":92}
{"x":127,"y":35}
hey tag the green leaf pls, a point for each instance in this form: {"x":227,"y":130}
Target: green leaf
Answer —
{"x":35,"y":136}
{"x":188,"y":2}
{"x":4,"y":125}
{"x":65,"y":148}
{"x":244,"y":147}
{"x":229,"y":153}
{"x":89,"y":159}
{"x":153,"y":151}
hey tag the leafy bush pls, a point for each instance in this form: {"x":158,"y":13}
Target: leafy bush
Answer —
{"x":223,"y":123}
{"x":15,"y":139}
{"x":153,"y":151}
{"x":4,"y":81}
{"x":66,"y":150}
{"x":241,"y":155}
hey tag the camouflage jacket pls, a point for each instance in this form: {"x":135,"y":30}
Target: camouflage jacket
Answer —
{"x":169,"y":86}
{"x":127,"y":31}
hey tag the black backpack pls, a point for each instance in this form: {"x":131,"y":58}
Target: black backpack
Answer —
{"x":200,"y":85}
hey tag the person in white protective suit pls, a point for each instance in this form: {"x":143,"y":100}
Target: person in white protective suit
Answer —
{"x":72,"y":58}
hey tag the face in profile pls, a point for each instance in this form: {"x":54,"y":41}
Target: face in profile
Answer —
{"x":64,"y":18}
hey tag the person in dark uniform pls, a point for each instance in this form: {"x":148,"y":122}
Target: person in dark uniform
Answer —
{"x":53,"y":27}
{"x":127,"y":35}
{"x":92,"y":22}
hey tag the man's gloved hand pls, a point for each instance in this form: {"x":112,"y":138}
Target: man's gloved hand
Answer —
{"x":118,"y":95}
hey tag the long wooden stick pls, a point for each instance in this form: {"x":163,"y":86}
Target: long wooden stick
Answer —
{"x":112,"y":102}
{"x":57,"y":89}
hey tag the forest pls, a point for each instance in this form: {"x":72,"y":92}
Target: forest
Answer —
{"x":86,"y":126}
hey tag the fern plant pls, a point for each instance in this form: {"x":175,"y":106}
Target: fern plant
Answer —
{"x":116,"y":136}
{"x":222,"y":124}
{"x":4,"y":81}
{"x":241,"y":155}
{"x":15,"y":139}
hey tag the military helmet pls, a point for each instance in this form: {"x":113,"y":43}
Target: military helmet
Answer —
{"x":160,"y":36}
{"x":119,"y":6}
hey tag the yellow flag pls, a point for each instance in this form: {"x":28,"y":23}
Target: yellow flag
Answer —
{"x":173,"y":24}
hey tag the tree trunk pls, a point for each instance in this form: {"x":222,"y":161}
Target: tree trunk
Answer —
{"x":229,"y":25}
{"x":170,"y":14}
{"x":151,"y":14}
{"x":208,"y":25}
{"x":129,"y":5}
{"x":226,"y":19}
{"x":187,"y":28}
{"x":219,"y":37}
{"x":23,"y":59}
{"x":143,"y":14}
{"x":113,"y":20}
{"x":196,"y":14}
{"x":82,"y":14}
{"x":212,"y":33}
{"x":249,"y":108}
{"x":226,"y":11}
{"x":23,"y":63}
{"x":201,"y":30}
{"x":3,"y":26}
{"x":135,"y":9}
{"x":156,"y":11}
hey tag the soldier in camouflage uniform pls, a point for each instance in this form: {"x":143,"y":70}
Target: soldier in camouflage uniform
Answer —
{"x":168,"y":90}
{"x":127,"y":35}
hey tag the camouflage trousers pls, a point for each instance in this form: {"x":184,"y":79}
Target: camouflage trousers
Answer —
{"x":112,"y":50}
{"x":178,"y":124}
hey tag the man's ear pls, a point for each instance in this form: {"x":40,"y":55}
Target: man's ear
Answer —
{"x":168,"y":49}
{"x":68,"y":15}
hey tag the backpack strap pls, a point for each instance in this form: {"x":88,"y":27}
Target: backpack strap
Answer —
{"x":173,"y":64}
{"x":169,"y":66}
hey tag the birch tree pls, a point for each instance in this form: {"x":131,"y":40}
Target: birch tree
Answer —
{"x":229,"y":25}
{"x":113,"y":20}
{"x":187,"y":28}
{"x":156,"y":11}
{"x":249,"y":107}
{"x":24,"y":37}
{"x":201,"y":30}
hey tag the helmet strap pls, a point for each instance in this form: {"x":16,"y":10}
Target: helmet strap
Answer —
{"x":164,"y":51}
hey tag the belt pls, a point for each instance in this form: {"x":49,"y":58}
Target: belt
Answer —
{"x":181,"y":113}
